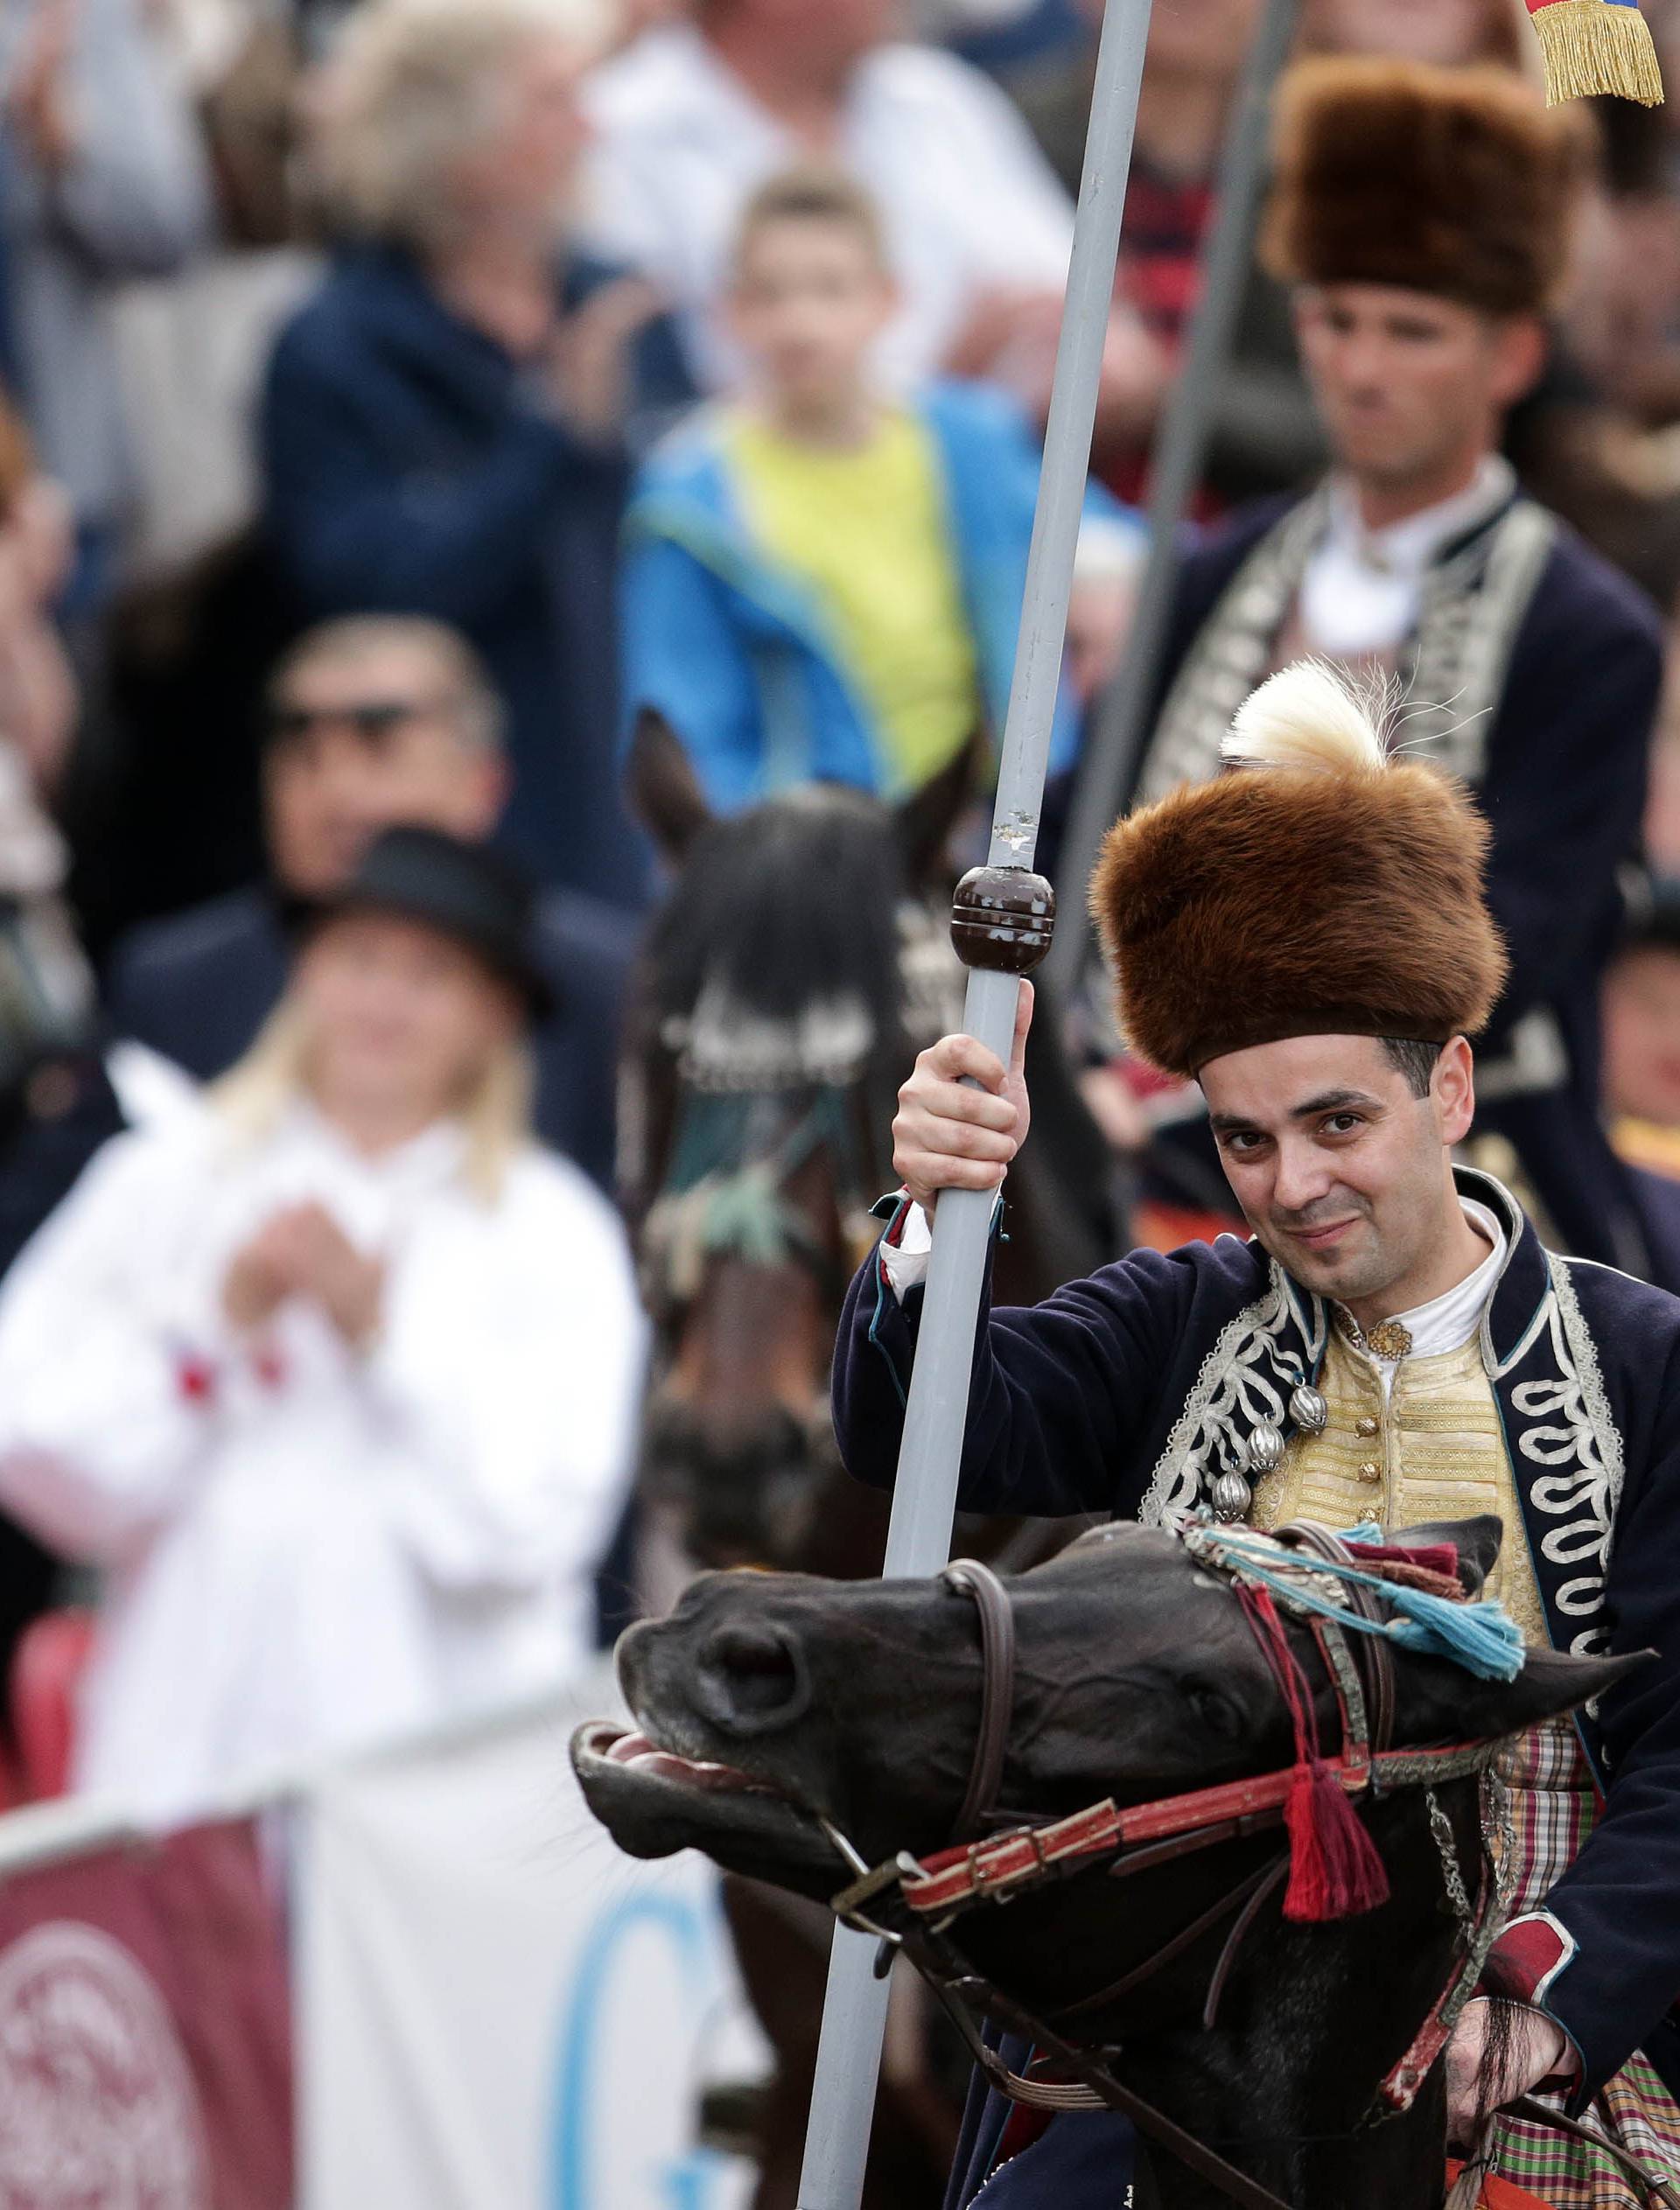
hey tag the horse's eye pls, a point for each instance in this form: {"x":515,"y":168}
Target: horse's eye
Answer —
{"x":1216,"y":1712}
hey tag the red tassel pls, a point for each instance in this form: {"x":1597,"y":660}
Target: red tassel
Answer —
{"x":1335,"y":1870}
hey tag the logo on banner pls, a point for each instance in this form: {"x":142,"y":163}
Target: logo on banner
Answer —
{"x":650,"y":1949}
{"x":97,"y":2106}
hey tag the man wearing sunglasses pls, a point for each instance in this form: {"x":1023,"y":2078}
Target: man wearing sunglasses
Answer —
{"x":374,"y":722}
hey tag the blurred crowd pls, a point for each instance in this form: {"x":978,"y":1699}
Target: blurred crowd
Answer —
{"x":407,"y":408}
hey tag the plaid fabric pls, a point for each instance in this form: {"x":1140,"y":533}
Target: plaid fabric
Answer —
{"x":1496,"y":2194}
{"x":1554,"y":1808}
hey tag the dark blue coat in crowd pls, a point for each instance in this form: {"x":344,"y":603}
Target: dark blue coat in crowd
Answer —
{"x":1563,"y":791}
{"x":412,"y":467}
{"x":1123,"y":1393}
{"x":198,"y":986}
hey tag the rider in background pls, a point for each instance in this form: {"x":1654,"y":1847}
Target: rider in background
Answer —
{"x":1424,"y":220}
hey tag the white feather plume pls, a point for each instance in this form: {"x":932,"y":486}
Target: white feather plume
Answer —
{"x":1309,"y":715}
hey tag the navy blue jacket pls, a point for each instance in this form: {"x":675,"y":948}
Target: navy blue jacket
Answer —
{"x":1126,"y":1392}
{"x":1565,"y":792}
{"x":410,"y":468}
{"x":198,"y":986}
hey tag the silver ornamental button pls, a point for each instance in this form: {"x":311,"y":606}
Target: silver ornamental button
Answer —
{"x":1265,"y":1449}
{"x":1308,"y":1409}
{"x":1232,"y":1497}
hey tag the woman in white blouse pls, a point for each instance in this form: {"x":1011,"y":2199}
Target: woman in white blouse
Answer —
{"x":334,"y":1372}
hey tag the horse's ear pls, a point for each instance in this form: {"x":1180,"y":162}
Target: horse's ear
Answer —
{"x":927,"y":821}
{"x":663,"y":789}
{"x":1476,"y":1541}
{"x":1439,"y":1700}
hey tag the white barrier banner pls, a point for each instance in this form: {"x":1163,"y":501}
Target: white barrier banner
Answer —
{"x":495,"y":2010}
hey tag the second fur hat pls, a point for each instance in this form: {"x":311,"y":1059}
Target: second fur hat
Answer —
{"x":1458,"y":182}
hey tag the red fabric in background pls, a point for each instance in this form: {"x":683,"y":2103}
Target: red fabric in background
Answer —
{"x":1160,"y":275}
{"x":144,"y":2030}
{"x":1161,"y":248}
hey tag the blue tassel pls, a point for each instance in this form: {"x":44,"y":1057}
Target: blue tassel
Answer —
{"x":1483,"y":1638}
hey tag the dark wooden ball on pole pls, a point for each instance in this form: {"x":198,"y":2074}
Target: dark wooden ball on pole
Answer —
{"x":1003,"y":918}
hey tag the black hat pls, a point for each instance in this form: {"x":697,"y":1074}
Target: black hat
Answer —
{"x":466,"y":891}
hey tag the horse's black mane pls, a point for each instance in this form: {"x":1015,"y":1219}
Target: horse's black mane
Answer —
{"x":792,"y":902}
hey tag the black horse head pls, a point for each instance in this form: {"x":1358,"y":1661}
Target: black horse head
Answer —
{"x":770,"y":1707}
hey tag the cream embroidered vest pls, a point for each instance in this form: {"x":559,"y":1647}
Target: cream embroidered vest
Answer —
{"x":1435,"y":1451}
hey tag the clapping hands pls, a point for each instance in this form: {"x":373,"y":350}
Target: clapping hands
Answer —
{"x":302,"y":1252}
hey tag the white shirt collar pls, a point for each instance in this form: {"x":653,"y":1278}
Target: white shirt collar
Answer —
{"x":1406,"y":548}
{"x":1448,"y":1321}
{"x":1362,"y":590}
{"x":714,"y":95}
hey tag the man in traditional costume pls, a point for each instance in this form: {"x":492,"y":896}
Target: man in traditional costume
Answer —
{"x":1423,"y":216}
{"x":1306,"y":935}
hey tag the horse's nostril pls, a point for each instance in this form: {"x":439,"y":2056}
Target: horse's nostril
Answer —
{"x":750,"y":1678}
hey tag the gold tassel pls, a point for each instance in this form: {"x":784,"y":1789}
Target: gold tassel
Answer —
{"x":1595,"y":47}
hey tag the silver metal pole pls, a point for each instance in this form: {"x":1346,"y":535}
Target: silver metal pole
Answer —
{"x":924,"y":1501}
{"x":1180,"y":451}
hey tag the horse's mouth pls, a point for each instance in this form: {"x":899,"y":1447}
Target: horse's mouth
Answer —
{"x":641,"y":1755}
{"x":654,"y":1801}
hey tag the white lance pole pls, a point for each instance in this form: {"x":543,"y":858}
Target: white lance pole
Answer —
{"x":1002,"y":926}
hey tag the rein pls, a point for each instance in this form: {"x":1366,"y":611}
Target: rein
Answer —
{"x":984,"y":1866}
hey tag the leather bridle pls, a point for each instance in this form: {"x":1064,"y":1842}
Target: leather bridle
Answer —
{"x":996,"y":1618}
{"x":912,"y":1904}
{"x":1374,"y":1689}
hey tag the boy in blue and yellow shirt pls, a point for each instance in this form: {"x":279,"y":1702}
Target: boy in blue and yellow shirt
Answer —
{"x":822,"y":583}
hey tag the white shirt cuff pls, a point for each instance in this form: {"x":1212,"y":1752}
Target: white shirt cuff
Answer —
{"x":904,"y":1264}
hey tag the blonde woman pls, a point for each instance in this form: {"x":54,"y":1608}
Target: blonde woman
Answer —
{"x":334,"y":1373}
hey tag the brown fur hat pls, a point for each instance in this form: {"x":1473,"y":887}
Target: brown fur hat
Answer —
{"x":1457,"y":182}
{"x":1314,"y":889}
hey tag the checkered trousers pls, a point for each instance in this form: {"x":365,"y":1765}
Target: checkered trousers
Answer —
{"x":1554,"y":1808}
